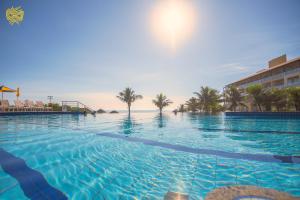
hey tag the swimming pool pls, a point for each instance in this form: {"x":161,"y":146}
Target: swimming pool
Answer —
{"x":112,"y":156}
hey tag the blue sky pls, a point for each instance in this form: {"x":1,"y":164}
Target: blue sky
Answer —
{"x":91,"y":50}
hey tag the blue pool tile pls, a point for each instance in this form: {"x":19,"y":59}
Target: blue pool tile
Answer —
{"x":247,"y":131}
{"x":245,"y":156}
{"x":33,"y":184}
{"x":14,"y":193}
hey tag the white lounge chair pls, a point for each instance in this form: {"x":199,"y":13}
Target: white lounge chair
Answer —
{"x":29,"y":105}
{"x":19,"y":105}
{"x":41,"y":106}
{"x":5,"y":106}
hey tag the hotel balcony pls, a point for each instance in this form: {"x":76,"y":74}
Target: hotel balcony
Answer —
{"x":295,"y":83}
{"x":293,"y":71}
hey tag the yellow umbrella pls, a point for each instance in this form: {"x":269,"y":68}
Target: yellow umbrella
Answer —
{"x":5,"y":89}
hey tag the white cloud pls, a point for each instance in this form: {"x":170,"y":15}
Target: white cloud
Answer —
{"x":232,"y":67}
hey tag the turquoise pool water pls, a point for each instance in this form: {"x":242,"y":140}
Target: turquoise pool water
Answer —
{"x":112,"y":156}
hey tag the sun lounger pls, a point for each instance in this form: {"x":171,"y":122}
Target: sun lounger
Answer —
{"x":30,"y":105}
{"x":5,"y":106}
{"x":41,"y":106}
{"x":19,"y":105}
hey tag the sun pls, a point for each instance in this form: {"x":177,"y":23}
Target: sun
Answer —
{"x":173,"y":22}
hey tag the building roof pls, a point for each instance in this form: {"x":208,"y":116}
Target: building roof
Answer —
{"x":267,"y":70}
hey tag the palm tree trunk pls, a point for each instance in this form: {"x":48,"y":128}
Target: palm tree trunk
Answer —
{"x":160,"y":111}
{"x":297,"y":107}
{"x":278,"y":108}
{"x":128,"y":109}
{"x":259,"y":107}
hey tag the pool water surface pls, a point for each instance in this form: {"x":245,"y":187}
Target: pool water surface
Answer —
{"x":114,"y":156}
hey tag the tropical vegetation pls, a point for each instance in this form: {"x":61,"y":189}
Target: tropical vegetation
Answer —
{"x":255,"y":92}
{"x":234,"y":98}
{"x":209,"y":100}
{"x":280,"y":99}
{"x":181,"y":108}
{"x":128,"y":96}
{"x":55,"y":106}
{"x":161,"y":101}
{"x":273,"y":99}
{"x":192,"y":104}
{"x":294,"y":95}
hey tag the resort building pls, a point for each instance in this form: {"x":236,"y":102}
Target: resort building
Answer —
{"x":280,"y":73}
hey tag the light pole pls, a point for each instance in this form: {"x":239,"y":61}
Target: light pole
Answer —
{"x":50,"y":99}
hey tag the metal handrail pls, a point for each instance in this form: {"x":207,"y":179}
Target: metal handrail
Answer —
{"x":80,"y":103}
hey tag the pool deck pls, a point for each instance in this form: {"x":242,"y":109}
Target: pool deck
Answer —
{"x":37,"y":113}
{"x":264,"y":114}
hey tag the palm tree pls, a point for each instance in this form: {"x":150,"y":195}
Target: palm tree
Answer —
{"x":294,"y":95}
{"x":256,"y":92}
{"x":267,"y":99}
{"x":234,"y":97}
{"x":181,"y":108}
{"x":209,"y":99}
{"x":128,"y":96}
{"x":192,"y":104}
{"x":161,"y":101}
{"x":280,"y":99}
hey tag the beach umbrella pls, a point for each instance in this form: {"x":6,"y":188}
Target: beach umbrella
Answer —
{"x":5,"y":89}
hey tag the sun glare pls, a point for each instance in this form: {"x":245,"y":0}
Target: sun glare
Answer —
{"x":173,"y":22}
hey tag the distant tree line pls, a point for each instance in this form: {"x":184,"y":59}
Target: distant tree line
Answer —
{"x":273,"y":99}
{"x":206,"y":100}
{"x":209,"y":100}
